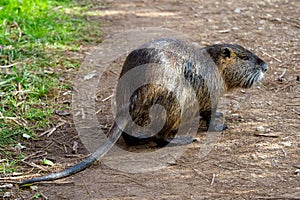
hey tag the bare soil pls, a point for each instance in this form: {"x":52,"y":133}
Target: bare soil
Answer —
{"x":243,"y":163}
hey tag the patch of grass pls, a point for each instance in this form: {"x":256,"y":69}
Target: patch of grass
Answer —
{"x":8,"y":167}
{"x":34,"y":38}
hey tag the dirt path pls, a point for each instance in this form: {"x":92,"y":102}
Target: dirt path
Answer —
{"x":241,"y":164}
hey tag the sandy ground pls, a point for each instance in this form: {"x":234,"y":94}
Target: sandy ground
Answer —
{"x":241,"y":164}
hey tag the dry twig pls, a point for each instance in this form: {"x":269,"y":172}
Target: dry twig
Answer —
{"x":213,"y":179}
{"x":32,"y":155}
{"x":15,"y":177}
{"x":34,"y":165}
{"x":52,"y":130}
{"x":283,"y":151}
{"x":107,"y":98}
{"x":280,"y":61}
{"x":281,"y":77}
{"x":8,"y":66}
{"x":266,"y":135}
{"x":16,"y":120}
{"x":6,"y":186}
{"x":44,"y":196}
{"x":75,"y":147}
{"x":19,"y":29}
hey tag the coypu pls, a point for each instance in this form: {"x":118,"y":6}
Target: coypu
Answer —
{"x":208,"y":73}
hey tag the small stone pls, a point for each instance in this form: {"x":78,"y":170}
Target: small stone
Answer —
{"x":260,"y":129}
{"x":235,"y":115}
{"x":34,"y":187}
{"x":62,"y":113}
{"x":235,"y":107}
{"x":254,"y":156}
{"x":20,"y":146}
{"x":67,"y":93}
{"x":287,"y":143}
{"x":75,"y":147}
{"x":7,"y":195}
{"x":237,"y":10}
{"x":89,"y":76}
{"x":24,"y":135}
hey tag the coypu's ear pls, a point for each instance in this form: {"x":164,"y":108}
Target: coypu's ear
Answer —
{"x":226,"y":52}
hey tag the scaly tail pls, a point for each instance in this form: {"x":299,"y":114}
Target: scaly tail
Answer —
{"x":114,"y":134}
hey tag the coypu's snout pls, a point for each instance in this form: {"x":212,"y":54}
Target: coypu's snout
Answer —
{"x":264,"y":67}
{"x":263,"y":70}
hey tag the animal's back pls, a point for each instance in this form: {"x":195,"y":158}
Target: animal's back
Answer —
{"x":178,"y":73}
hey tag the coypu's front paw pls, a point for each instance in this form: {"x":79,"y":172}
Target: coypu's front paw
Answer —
{"x":216,"y":122}
{"x":220,"y":127}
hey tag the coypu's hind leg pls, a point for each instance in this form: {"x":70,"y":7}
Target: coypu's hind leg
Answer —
{"x":141,"y":102}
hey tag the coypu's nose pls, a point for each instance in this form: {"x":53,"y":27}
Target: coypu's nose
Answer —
{"x":264,"y":67}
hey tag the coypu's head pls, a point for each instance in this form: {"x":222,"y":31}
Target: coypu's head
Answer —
{"x":238,"y":66}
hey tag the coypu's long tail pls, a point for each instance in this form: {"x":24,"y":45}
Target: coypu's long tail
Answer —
{"x":114,"y":134}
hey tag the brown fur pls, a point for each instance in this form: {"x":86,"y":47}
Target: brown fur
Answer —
{"x":211,"y":71}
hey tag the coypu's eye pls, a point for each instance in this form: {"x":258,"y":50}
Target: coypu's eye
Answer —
{"x":244,"y":57}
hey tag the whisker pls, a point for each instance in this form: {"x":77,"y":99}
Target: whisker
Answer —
{"x":249,"y":80}
{"x":260,"y":75}
{"x":253,"y":79}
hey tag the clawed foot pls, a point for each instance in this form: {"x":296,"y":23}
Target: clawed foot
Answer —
{"x":221,"y":127}
{"x":215,"y":122}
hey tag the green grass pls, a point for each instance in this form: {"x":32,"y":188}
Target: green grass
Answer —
{"x":35,"y":36}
